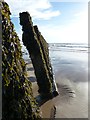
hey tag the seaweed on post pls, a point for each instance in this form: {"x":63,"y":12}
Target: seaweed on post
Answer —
{"x":17,"y":96}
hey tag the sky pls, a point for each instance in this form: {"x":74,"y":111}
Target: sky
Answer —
{"x":58,"y":21}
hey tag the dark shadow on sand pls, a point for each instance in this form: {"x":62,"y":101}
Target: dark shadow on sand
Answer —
{"x":40,"y":100}
{"x":30,"y":69}
{"x":32,"y":79}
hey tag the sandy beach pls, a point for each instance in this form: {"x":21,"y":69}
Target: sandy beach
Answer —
{"x":47,"y":109}
{"x":72,"y":101}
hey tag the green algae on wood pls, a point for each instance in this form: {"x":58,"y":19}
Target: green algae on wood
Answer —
{"x":17,"y":96}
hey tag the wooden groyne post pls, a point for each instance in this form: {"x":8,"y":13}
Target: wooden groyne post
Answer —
{"x":39,"y":54}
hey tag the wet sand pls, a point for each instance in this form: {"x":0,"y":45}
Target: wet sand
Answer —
{"x":72,"y":105}
{"x":72,"y":84}
{"x":47,"y":109}
{"x":72,"y":80}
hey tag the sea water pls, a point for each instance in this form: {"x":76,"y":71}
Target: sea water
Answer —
{"x":67,"y":58}
{"x":70,"y":65}
{"x":68,"y":53}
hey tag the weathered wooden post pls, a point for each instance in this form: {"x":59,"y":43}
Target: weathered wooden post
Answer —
{"x":39,"y":53}
{"x":45,"y":49}
{"x":17,"y":97}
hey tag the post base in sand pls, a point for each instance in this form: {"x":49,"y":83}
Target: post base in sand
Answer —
{"x":55,"y":93}
{"x":42,"y":98}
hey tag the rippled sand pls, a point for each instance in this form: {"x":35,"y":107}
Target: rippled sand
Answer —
{"x":73,"y":99}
